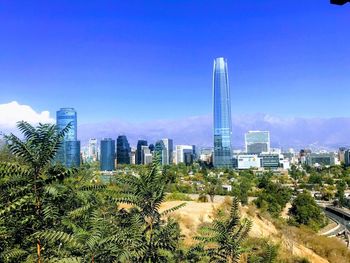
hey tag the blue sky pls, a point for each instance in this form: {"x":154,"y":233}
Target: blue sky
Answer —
{"x":147,"y":60}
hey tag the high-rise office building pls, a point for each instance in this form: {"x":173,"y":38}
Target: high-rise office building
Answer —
{"x":107,"y":156}
{"x":69,"y":152}
{"x":151,"y":147}
{"x":160,"y":150}
{"x":133,"y":155}
{"x":93,"y":150}
{"x":169,"y":148}
{"x":347,"y":158}
{"x":341,"y":154}
{"x":181,"y":150}
{"x":123,"y":150}
{"x":257,"y":142}
{"x":139,"y":153}
{"x":145,"y":155}
{"x":148,"y":157}
{"x":66,"y":116}
{"x":222,"y":115}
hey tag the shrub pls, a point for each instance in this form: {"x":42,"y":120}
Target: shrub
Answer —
{"x":305,"y":211}
{"x":203,"y":198}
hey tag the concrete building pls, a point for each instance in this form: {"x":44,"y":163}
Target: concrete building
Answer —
{"x":148,"y":157}
{"x":271,"y":160}
{"x":144,"y":151}
{"x":133,"y":155}
{"x":246,"y":161}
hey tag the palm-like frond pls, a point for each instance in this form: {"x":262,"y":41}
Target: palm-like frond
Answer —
{"x":64,"y":260}
{"x":225,"y":236}
{"x":55,"y":236}
{"x":40,"y":144}
{"x":11,"y":169}
{"x":173,"y":209}
{"x":14,"y":254}
{"x":27,"y":199}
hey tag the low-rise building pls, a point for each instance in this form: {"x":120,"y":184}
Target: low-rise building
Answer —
{"x":320,"y":159}
{"x":271,"y":160}
{"x":246,"y":161}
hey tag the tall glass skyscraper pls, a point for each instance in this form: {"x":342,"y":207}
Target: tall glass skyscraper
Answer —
{"x":69,"y":153}
{"x":64,"y":116}
{"x":169,"y":147}
{"x":160,"y":149}
{"x":123,"y":150}
{"x":107,"y":157}
{"x":139,"y":153}
{"x":222,"y":115}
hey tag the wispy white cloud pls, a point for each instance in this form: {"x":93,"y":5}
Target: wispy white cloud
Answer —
{"x":12,"y":112}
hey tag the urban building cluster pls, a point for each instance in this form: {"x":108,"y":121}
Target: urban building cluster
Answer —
{"x":258,"y":153}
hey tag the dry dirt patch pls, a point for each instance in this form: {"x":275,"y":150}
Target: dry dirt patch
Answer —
{"x":194,"y":214}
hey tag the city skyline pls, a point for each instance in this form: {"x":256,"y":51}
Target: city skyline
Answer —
{"x":317,"y":133}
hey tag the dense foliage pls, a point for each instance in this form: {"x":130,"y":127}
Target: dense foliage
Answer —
{"x":52,"y":214}
{"x":49,"y":213}
{"x":305,"y":211}
{"x":273,"y":197}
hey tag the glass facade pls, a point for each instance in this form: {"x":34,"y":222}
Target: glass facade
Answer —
{"x":270,"y":161}
{"x":169,"y":148}
{"x":139,"y":152}
{"x":160,"y":149}
{"x":107,"y":157}
{"x":322,"y":159}
{"x":69,"y":153}
{"x":257,"y":142}
{"x":222,"y":115}
{"x":65,"y":116}
{"x":347,"y":158}
{"x":123,"y":150}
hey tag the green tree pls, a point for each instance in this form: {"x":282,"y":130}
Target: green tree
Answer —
{"x":261,"y":251}
{"x":273,"y":197}
{"x":305,"y":211}
{"x":295,"y":174}
{"x":145,"y":193}
{"x":315,"y":178}
{"x":341,"y":187}
{"x":23,"y":187}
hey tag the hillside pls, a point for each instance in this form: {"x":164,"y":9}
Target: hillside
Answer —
{"x":194,"y":214}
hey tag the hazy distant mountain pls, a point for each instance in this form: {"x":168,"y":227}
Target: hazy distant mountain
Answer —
{"x":317,"y":133}
{"x":327,"y":133}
